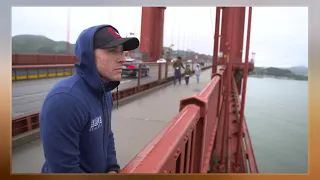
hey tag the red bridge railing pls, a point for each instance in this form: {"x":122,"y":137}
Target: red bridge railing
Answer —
{"x":185,"y":145}
{"x":42,"y":59}
{"x":189,"y":143}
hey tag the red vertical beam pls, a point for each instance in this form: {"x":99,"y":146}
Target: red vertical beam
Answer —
{"x":216,"y":41}
{"x":159,"y":19}
{"x":224,"y":24}
{"x":240,"y":31}
{"x":241,"y":20}
{"x":151,"y":40}
{"x":236,"y":46}
{"x":219,"y":152}
{"x":155,"y":34}
{"x":231,"y":39}
{"x":146,"y":36}
{"x":227,"y":26}
{"x":243,"y":96}
{"x":161,"y":26}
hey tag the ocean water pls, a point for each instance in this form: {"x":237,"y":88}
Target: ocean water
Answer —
{"x":276,"y":112}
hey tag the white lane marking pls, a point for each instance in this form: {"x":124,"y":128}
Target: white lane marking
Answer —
{"x":29,"y":95}
{"x":17,"y":114}
{"x":42,"y":93}
{"x":125,"y":81}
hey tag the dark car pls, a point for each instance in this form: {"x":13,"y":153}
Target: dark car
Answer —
{"x":131,"y":68}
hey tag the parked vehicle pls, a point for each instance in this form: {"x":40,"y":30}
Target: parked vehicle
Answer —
{"x":131,"y":68}
{"x":161,"y":61}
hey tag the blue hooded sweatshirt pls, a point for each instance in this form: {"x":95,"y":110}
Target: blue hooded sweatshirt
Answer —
{"x":75,"y":119}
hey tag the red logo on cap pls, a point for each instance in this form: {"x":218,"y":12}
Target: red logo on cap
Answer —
{"x":112,"y":31}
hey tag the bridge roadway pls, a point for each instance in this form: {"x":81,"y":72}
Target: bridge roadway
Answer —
{"x":28,"y":95}
{"x":134,"y":124}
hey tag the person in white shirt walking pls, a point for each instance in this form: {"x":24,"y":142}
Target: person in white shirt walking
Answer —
{"x":197,"y":72}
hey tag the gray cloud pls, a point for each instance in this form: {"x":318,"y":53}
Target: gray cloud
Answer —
{"x":279,"y":35}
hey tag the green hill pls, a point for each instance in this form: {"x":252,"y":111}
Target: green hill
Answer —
{"x":36,"y":44}
{"x":302,"y":70}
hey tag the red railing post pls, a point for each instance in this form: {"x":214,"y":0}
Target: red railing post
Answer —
{"x":29,"y":123}
{"x":159,"y":72}
{"x":243,"y":96}
{"x":166,"y":71}
{"x":139,"y":78}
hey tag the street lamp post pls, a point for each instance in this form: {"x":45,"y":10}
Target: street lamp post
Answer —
{"x":130,"y":34}
{"x":169,"y":52}
{"x":253,"y":55}
{"x":188,"y":50}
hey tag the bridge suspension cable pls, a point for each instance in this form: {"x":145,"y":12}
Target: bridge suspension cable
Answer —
{"x":211,"y":20}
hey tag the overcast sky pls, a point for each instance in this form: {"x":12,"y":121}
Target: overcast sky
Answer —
{"x":279,"y":35}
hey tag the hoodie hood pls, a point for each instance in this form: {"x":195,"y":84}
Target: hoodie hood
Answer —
{"x":86,"y":68}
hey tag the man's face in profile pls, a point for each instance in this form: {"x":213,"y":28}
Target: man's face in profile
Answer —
{"x":109,"y":62}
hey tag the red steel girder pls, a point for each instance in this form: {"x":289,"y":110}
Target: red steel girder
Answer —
{"x":151,"y":38}
{"x":229,"y":151}
{"x":240,"y":16}
{"x":216,"y":42}
{"x":245,"y":76}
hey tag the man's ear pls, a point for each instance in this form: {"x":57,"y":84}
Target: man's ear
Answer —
{"x":96,"y":54}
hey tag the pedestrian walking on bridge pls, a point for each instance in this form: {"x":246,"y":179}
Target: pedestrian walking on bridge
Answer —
{"x":75,"y":119}
{"x":187,"y":74}
{"x":177,"y":65}
{"x":197,"y":72}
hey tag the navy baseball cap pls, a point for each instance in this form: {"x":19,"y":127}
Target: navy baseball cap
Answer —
{"x":109,"y":37}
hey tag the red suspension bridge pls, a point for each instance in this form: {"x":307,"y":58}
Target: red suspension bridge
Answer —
{"x":209,"y":133}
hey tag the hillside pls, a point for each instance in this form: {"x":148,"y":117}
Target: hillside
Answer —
{"x":36,"y":44}
{"x":302,"y":70}
{"x":278,"y":73}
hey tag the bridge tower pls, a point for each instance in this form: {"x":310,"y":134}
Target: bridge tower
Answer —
{"x":151,"y":38}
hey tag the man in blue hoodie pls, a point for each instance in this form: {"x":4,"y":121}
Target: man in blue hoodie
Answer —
{"x":75,"y":119}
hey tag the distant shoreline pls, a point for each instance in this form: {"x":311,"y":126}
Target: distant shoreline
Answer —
{"x":276,"y":77}
{"x":294,"y":73}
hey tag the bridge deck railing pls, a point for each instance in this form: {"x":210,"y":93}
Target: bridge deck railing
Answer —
{"x":195,"y":141}
{"x":185,"y":144}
